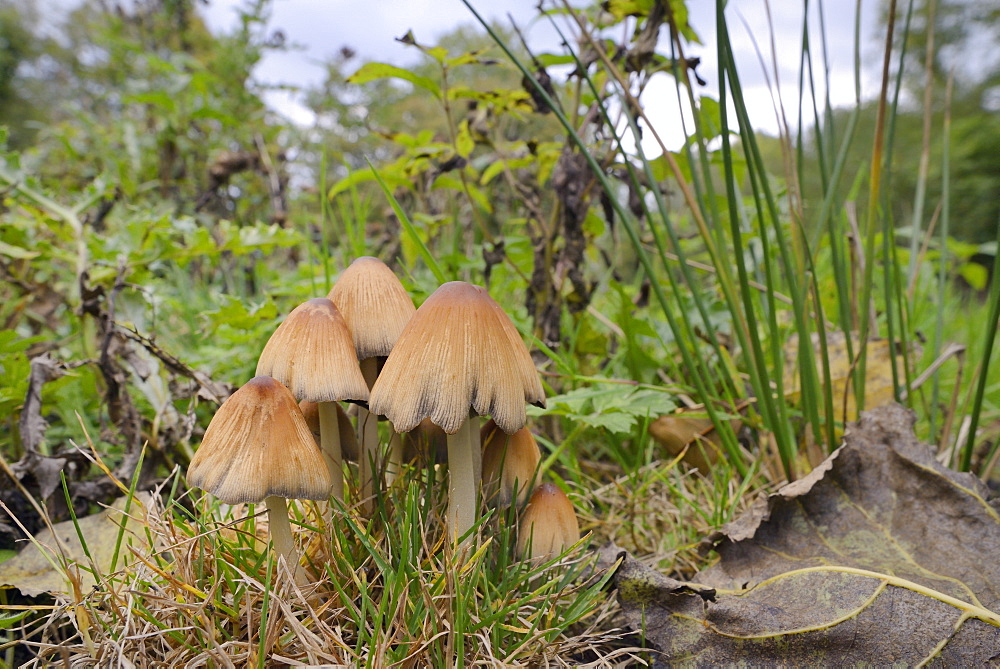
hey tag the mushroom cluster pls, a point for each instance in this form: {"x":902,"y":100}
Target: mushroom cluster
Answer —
{"x":441,"y":366}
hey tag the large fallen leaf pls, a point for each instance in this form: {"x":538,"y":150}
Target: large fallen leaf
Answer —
{"x":31,"y":571}
{"x":881,"y":555}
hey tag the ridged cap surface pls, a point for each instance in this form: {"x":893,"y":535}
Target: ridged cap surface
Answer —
{"x":549,"y":524}
{"x":374,"y":304}
{"x":258,"y":445}
{"x":460,"y":351}
{"x":312,"y":353}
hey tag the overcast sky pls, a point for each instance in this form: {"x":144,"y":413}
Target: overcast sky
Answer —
{"x":370,"y":27}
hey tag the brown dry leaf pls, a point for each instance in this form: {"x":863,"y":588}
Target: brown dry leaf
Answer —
{"x":878,"y":372}
{"x":696,"y":433}
{"x":32,"y":425}
{"x":879,"y":555}
{"x":31,"y":572}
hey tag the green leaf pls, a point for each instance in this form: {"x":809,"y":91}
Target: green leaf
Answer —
{"x":373,"y":71}
{"x":464,"y":143}
{"x":710,"y":116}
{"x":356,"y":177}
{"x":8,"y":621}
{"x":550,"y":59}
{"x":975,"y":275}
{"x":16,"y":252}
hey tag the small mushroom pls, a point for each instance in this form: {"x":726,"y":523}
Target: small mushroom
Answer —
{"x":459,"y":354}
{"x":510,"y":465}
{"x":312,"y":353}
{"x":548,"y":525}
{"x":258,"y":447}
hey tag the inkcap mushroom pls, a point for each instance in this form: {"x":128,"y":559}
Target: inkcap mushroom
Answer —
{"x":459,"y":354}
{"x":258,"y":448}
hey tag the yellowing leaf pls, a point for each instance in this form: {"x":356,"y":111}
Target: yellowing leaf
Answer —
{"x":879,"y":389}
{"x":694,"y":436}
{"x":464,"y":143}
{"x":31,"y":571}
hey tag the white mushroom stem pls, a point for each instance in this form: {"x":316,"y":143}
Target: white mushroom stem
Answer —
{"x":477,"y":449}
{"x":394,"y":463}
{"x":329,"y":435}
{"x":368,"y":440}
{"x":281,"y":534}
{"x":464,"y":475}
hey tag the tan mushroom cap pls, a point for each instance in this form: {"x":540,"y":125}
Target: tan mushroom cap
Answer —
{"x":460,"y":351}
{"x":258,"y":445}
{"x":508,"y":461}
{"x":424,"y":441}
{"x":374,"y":304}
{"x":549,"y":524}
{"x":312,"y":353}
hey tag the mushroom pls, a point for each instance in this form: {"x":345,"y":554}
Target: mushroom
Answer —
{"x":548,"y":525}
{"x":258,"y":447}
{"x":459,"y":352}
{"x":312,"y":353}
{"x":376,"y":308}
{"x":510,"y":465}
{"x":426,"y":443}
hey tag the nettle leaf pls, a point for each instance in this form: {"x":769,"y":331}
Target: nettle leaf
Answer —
{"x":372,"y":71}
{"x":613,"y":408}
{"x":881,"y":554}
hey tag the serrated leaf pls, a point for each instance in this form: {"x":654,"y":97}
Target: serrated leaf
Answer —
{"x":880,"y":555}
{"x":616,"y":422}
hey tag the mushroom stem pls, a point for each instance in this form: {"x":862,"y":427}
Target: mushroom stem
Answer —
{"x":394,"y":464}
{"x":463,"y":454}
{"x":368,"y":441}
{"x":329,"y":435}
{"x":475,"y":444}
{"x":281,"y":534}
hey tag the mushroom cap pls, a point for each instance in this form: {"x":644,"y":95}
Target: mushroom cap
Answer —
{"x":549,"y":524}
{"x":460,"y":351}
{"x":374,"y":304}
{"x":258,"y":445}
{"x":312,"y":353}
{"x":510,"y":464}
{"x":425,"y":441}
